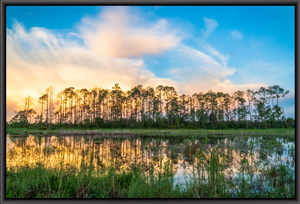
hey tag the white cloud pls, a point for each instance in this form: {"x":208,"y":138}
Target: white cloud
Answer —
{"x":204,"y":73}
{"x":124,"y":35}
{"x":72,"y":34}
{"x":236,"y":35}
{"x":38,"y":58}
{"x":224,"y":58}
{"x":210,"y":25}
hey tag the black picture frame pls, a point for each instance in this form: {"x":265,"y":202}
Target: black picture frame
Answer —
{"x":3,"y":5}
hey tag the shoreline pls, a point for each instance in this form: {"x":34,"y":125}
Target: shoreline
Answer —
{"x":74,"y":131}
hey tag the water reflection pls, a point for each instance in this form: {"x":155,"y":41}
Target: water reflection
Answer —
{"x":78,"y":152}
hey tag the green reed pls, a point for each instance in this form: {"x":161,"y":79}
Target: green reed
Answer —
{"x":208,"y":178}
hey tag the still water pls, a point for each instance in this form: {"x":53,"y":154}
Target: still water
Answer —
{"x":127,"y":152}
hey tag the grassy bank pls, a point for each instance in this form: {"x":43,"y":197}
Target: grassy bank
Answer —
{"x":19,"y":131}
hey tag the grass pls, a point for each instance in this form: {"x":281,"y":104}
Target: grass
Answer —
{"x":276,"y":181}
{"x":208,"y":179}
{"x":19,"y":131}
{"x":39,"y":182}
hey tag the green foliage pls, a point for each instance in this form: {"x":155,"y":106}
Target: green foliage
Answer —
{"x":159,"y":108}
{"x":182,"y":125}
{"x":173,"y":127}
{"x":42,"y":128}
{"x":232,"y":125}
{"x":222,"y":126}
{"x":190,"y":127}
{"x":211,"y":126}
{"x":35,"y":182}
{"x":87,"y":124}
{"x":177,"y":122}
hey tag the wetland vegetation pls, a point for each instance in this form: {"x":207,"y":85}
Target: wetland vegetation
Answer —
{"x":151,"y":143}
{"x":125,"y":165}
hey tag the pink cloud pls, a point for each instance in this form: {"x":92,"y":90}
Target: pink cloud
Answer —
{"x":37,"y":59}
{"x":123,"y":35}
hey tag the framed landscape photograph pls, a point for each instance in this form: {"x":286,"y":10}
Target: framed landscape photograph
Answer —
{"x":169,"y":101}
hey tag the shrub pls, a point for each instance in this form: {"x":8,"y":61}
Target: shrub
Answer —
{"x":222,"y":126}
{"x":190,"y":127}
{"x":210,"y":126}
{"x":165,"y":126}
{"x":231,"y":125}
{"x":173,"y":127}
{"x":42,"y":128}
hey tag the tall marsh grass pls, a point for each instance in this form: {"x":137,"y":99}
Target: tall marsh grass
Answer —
{"x":206,"y":181}
{"x":209,"y":159}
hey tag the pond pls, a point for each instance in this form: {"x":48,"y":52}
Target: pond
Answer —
{"x":206,"y":157}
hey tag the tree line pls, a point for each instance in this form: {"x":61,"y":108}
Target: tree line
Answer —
{"x":160,"y":107}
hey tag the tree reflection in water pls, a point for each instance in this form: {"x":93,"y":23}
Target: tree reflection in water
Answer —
{"x":251,"y":153}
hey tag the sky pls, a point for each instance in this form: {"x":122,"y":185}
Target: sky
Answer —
{"x":192,"y":48}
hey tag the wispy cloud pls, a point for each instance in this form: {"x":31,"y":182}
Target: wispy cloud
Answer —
{"x":72,"y":34}
{"x":236,"y":35}
{"x":203,"y":73}
{"x":124,"y":35}
{"x":210,"y":25}
{"x":38,"y":58}
{"x":262,"y":65}
{"x":109,"y":49}
{"x":224,"y":58}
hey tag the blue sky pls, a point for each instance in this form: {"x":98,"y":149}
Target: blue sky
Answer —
{"x":193,"y":48}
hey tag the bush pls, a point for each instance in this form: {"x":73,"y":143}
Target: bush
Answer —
{"x":190,"y":127}
{"x":210,"y":126}
{"x":107,"y":125}
{"x":232,"y":125}
{"x":164,"y":126}
{"x":222,"y":126}
{"x":42,"y":128}
{"x":242,"y":125}
{"x":173,"y":127}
